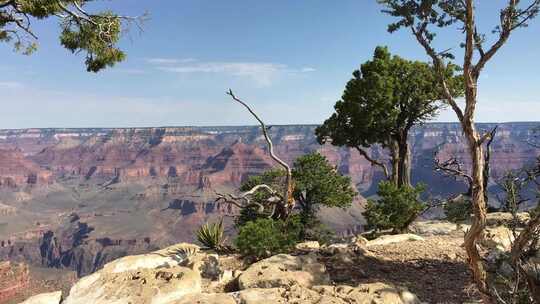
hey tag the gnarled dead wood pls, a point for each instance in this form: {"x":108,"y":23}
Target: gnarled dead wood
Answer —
{"x":284,"y":203}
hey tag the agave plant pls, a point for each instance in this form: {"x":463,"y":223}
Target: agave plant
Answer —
{"x":211,"y":235}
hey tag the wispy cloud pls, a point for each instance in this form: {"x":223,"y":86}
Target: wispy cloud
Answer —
{"x":11,"y":85}
{"x":262,"y":73}
{"x":130,"y":71}
{"x":169,"y":60}
{"x":308,"y":69}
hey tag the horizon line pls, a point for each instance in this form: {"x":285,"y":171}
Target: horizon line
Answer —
{"x":237,"y":126}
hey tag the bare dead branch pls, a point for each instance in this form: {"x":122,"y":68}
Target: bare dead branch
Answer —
{"x":438,"y":63}
{"x":287,"y":196}
{"x":373,"y":161}
{"x":452,"y":167}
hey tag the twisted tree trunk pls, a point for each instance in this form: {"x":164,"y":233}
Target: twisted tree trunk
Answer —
{"x":394,"y":159}
{"x":404,"y":160}
{"x":479,"y":209}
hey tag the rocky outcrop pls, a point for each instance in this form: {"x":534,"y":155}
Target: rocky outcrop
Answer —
{"x":363,"y":294}
{"x":13,"y":279}
{"x":159,"y":285}
{"x":45,"y":298}
{"x":182,"y":274}
{"x":6,"y":210}
{"x":16,"y":170}
{"x":70,"y":247}
{"x":396,"y":238}
{"x":284,"y":270}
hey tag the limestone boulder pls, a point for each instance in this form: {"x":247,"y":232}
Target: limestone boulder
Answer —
{"x":337,"y":248}
{"x":45,"y":298}
{"x":326,"y":294}
{"x":308,"y":246}
{"x":495,"y":219}
{"x":205,"y":298}
{"x":396,"y":238}
{"x":497,"y":238}
{"x":367,"y":294}
{"x":284,"y":270}
{"x":145,"y":286}
{"x":359,"y":241}
{"x":429,"y":228}
{"x":143,"y":261}
{"x":290,"y":295}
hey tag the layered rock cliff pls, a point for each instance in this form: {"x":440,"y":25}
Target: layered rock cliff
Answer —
{"x":13,"y":279}
{"x":135,"y":189}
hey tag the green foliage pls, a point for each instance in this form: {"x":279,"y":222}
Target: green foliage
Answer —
{"x":93,"y":33}
{"x":458,"y":210}
{"x":396,"y":207}
{"x":317,"y":183}
{"x":97,"y":39}
{"x":265,"y":237}
{"x":318,"y":232}
{"x":212,"y":235}
{"x":382,"y":102}
{"x":512,"y":184}
{"x":385,"y":97}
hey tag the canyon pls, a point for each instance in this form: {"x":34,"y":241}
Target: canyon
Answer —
{"x":76,"y":199}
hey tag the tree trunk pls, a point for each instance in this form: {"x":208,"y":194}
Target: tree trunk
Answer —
{"x":526,"y":239}
{"x":478,"y":192}
{"x":394,"y":155}
{"x":479,"y":209}
{"x":404,"y":161}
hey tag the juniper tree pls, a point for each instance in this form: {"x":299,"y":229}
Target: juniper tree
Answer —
{"x":386,"y":97}
{"x":423,"y":18}
{"x":95,"y":34}
{"x":316,"y":184}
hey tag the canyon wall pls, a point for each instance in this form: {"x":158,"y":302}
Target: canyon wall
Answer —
{"x":78,"y":198}
{"x":14,"y":279}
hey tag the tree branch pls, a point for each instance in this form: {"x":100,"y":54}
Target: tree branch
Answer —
{"x":373,"y":162}
{"x":452,"y":167}
{"x":287,"y":196}
{"x":439,"y":67}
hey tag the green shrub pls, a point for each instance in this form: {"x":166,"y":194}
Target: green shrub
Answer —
{"x":458,"y":210}
{"x":320,"y":233}
{"x":212,"y":235}
{"x":265,"y":237}
{"x":396,"y":208}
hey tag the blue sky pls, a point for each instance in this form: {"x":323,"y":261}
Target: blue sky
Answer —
{"x":289,"y":59}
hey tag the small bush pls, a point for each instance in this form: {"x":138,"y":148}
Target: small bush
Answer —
{"x":320,"y":233}
{"x":247,"y":214}
{"x":212,"y":235}
{"x":265,"y":237}
{"x":458,"y":210}
{"x":396,"y":208}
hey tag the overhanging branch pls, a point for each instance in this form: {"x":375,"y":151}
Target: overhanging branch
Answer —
{"x":373,"y":162}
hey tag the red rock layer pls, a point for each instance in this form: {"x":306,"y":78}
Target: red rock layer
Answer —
{"x":14,"y":278}
{"x":17,"y":170}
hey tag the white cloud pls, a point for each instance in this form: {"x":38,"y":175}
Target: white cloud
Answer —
{"x":11,"y":85}
{"x":262,"y":73}
{"x":308,"y":69}
{"x":169,"y":60}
